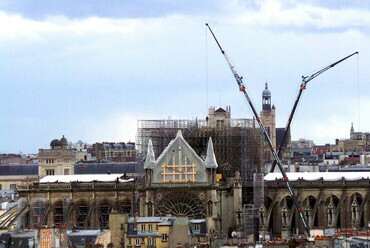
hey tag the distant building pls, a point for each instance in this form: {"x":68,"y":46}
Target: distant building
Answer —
{"x":114,"y":152}
{"x":6,"y":159}
{"x":166,"y":231}
{"x":11,"y":176}
{"x":58,"y":160}
{"x":320,"y":151}
{"x":358,"y":141}
{"x":219,"y":118}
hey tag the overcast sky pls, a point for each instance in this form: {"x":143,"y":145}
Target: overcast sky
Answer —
{"x":89,"y":69}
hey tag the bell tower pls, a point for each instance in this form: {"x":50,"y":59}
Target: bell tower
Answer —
{"x":268,"y":120}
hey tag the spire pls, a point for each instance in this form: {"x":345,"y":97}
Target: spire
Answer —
{"x":150,"y":158}
{"x":266,"y":85}
{"x":210,"y":161}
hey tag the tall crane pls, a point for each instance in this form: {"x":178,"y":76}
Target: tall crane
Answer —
{"x":239,"y":81}
{"x":305,"y":80}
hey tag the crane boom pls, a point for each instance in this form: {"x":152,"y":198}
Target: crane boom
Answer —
{"x":242,"y":88}
{"x":305,"y":80}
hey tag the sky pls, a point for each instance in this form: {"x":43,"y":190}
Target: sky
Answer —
{"x":90,"y":69}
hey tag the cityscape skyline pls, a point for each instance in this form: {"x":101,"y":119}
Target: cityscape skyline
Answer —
{"x":91,"y":72}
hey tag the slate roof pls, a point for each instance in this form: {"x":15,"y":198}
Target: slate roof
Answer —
{"x":19,"y":170}
{"x":82,"y":237}
{"x":104,"y":168}
{"x":220,"y":110}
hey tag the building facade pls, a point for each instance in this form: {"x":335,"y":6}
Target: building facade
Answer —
{"x":330,"y":200}
{"x":58,"y":160}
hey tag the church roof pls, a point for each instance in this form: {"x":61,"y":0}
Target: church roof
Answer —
{"x":325,"y":176}
{"x":220,"y":110}
{"x":84,"y":178}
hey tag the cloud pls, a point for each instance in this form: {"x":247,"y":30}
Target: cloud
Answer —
{"x":16,"y":27}
{"x":272,"y":13}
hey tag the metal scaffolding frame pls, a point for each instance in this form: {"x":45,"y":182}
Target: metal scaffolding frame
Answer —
{"x":232,"y":145}
{"x":58,"y":213}
{"x":37,"y":212}
{"x":82,"y":209}
{"x":104,"y":211}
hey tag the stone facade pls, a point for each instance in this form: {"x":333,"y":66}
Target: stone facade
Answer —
{"x":219,"y":118}
{"x":326,"y":204}
{"x":181,"y":182}
{"x":58,"y":160}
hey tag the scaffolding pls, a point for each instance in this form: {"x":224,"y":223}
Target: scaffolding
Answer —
{"x":58,"y":212}
{"x":258,"y":190}
{"x":249,"y":215}
{"x":105,"y":209}
{"x":37,"y":212}
{"x":232,"y":145}
{"x":82,"y":209}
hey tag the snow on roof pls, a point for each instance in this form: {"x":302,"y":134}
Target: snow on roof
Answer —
{"x":84,"y":178}
{"x":313,"y":176}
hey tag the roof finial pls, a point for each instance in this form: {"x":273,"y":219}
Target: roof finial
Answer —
{"x":150,"y":157}
{"x":210,"y":161}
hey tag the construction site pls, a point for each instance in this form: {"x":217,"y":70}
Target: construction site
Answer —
{"x":226,"y":195}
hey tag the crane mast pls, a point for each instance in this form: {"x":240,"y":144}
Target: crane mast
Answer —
{"x":242,"y":88}
{"x":305,"y":80}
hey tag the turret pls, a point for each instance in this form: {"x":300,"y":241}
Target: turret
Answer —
{"x":211,"y":163}
{"x":266,"y":98}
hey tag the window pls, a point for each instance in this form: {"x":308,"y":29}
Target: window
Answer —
{"x":13,"y":186}
{"x":50,"y":172}
{"x":153,"y":242}
{"x":156,"y":227}
{"x":129,"y":242}
{"x":142,"y":227}
{"x":66,"y":171}
{"x":122,"y":226}
{"x":149,"y":242}
{"x":137,"y":242}
{"x":164,"y":237}
{"x":0,"y":186}
{"x":150,"y":228}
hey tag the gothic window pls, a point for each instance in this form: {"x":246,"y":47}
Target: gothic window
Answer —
{"x":126,"y":207}
{"x":150,"y":209}
{"x":262,"y":222}
{"x":185,"y":204}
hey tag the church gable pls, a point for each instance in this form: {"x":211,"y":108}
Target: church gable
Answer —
{"x":179,"y":163}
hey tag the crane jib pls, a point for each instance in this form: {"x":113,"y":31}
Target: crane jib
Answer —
{"x":305,"y":80}
{"x":240,"y":83}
